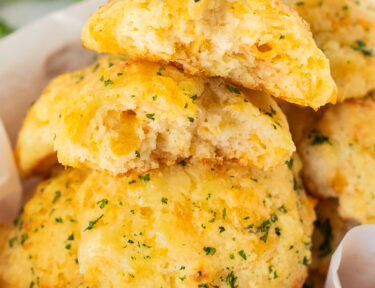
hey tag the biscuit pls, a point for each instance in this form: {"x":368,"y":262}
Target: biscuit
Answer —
{"x":339,"y":158}
{"x":121,"y":115}
{"x":345,"y":31}
{"x":261,"y":45}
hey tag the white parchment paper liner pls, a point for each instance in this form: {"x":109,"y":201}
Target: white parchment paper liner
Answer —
{"x":33,"y":55}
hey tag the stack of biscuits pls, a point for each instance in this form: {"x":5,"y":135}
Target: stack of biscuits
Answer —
{"x":169,"y":163}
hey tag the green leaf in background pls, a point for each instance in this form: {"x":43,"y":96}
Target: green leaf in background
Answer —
{"x":5,"y":29}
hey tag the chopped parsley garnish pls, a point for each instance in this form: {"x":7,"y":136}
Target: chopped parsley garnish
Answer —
{"x":154,"y":97}
{"x":92,"y":223}
{"x":361,"y":46}
{"x":233,"y":89}
{"x":137,"y":154}
{"x":57,"y":196}
{"x":24,"y":238}
{"x":305,"y":261}
{"x":282,"y":37}
{"x":317,"y":138}
{"x":67,"y":247}
{"x":11,"y":241}
{"x":162,"y":68}
{"x":277,"y":231}
{"x":300,"y":3}
{"x":145,"y":177}
{"x":191,"y":119}
{"x":221,"y":229}
{"x":164,"y":200}
{"x":325,"y":230}
{"x":289,"y":163}
{"x":102,"y":203}
{"x":58,"y":220}
{"x":132,"y":181}
{"x":182,"y":163}
{"x":194,"y":97}
{"x":209,"y":250}
{"x":242,"y":254}
{"x":108,"y":82}
{"x":151,"y":116}
{"x":71,"y":237}
{"x":224,"y":213}
{"x":120,"y":74}
{"x":231,"y":280}
{"x":264,"y":228}
{"x":282,"y":209}
{"x":273,"y":217}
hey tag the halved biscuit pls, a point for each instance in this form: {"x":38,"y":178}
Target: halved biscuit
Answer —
{"x":120,"y":115}
{"x":256,"y":44}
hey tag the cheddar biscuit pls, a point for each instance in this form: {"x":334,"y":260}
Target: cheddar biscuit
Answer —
{"x":42,"y":243}
{"x":195,"y":226}
{"x":121,"y":115}
{"x":257,"y":44}
{"x":345,"y":31}
{"x":339,"y":158}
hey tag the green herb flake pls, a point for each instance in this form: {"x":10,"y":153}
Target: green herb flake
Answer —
{"x":67,"y":247}
{"x":274,"y":217}
{"x":58,"y":220}
{"x":182,"y":163}
{"x":233,"y":89}
{"x":92,"y":223}
{"x":317,"y":138}
{"x":151,"y":116}
{"x":231,"y":280}
{"x":164,"y":200}
{"x":71,"y":237}
{"x":145,"y":177}
{"x":242,"y":254}
{"x":289,"y":163}
{"x":209,"y":250}
{"x":194,"y":97}
{"x":221,"y":229}
{"x":264,"y":228}
{"x":162,"y":68}
{"x":154,"y":97}
{"x":361,"y":46}
{"x":191,"y":119}
{"x":325,"y":229}
{"x":102,"y":203}
{"x":12,"y":240}
{"x":137,"y":154}
{"x":108,"y":82}
{"x":57,"y":196}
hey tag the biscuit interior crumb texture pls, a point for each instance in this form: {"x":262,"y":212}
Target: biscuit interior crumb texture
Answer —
{"x":181,"y":226}
{"x":256,"y":44}
{"x":339,"y":158}
{"x":345,"y":31}
{"x":120,"y":115}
